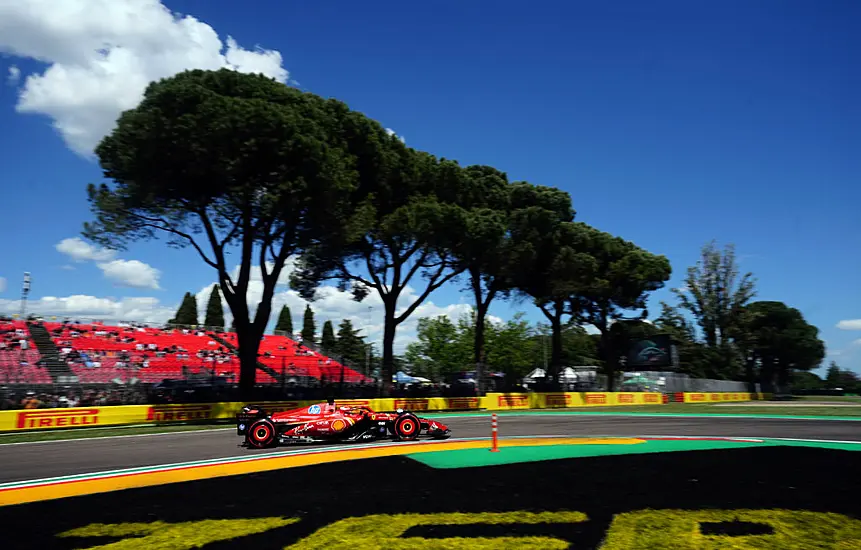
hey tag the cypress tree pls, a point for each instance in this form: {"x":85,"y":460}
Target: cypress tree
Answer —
{"x":327,"y":340}
{"x":214,"y":311}
{"x":309,"y":328}
{"x":187,"y":312}
{"x":285,"y":321}
{"x":350,"y":345}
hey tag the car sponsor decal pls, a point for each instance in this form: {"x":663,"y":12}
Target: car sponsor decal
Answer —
{"x":314,"y":409}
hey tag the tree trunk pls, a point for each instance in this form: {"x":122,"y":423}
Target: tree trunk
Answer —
{"x":389,"y":329}
{"x":783,"y":377}
{"x":249,"y":345}
{"x":248,"y":340}
{"x":608,"y":355}
{"x":556,"y":341}
{"x":750,"y":375}
{"x":480,"y":354}
{"x":767,"y":375}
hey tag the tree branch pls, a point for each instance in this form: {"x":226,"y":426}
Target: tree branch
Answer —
{"x":219,"y":252}
{"x":347,"y":275}
{"x":432,"y":285}
{"x":185,"y":236}
{"x":378,"y":284}
{"x":415,"y":267}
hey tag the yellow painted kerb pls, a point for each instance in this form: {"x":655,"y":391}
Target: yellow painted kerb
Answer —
{"x":51,"y":491}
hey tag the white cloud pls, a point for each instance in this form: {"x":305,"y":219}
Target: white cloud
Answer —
{"x":332,"y":305}
{"x":14,"y":75}
{"x":67,"y":267}
{"x":392,"y":133}
{"x":126,"y":273}
{"x":2,"y":284}
{"x":131,"y":273}
{"x":849,"y":324}
{"x":81,"y":307}
{"x":80,"y":251}
{"x":101,"y":55}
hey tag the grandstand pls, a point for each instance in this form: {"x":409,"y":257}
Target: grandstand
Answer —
{"x":93,"y":354}
{"x":20,"y":362}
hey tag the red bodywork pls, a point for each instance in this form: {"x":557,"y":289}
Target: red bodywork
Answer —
{"x":327,"y":421}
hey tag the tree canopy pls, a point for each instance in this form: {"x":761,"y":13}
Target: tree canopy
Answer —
{"x":715,"y":294}
{"x":249,"y":173}
{"x":488,"y":251}
{"x":225,"y":162}
{"x":622,"y":278}
{"x":410,"y":224}
{"x":780,"y":341}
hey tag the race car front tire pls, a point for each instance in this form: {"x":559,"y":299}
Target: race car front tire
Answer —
{"x":261,"y":434}
{"x":407,"y":427}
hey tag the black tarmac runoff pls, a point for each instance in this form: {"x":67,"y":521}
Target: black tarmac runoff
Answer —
{"x":317,"y":498}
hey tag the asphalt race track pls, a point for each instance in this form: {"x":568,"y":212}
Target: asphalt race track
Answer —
{"x":29,"y":461}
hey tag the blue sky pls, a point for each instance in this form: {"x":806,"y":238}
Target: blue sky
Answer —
{"x":670,"y":125}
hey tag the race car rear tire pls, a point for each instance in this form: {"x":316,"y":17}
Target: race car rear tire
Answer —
{"x":407,"y":427}
{"x":261,"y":434}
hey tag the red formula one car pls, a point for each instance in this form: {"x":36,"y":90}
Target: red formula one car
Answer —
{"x":328,"y":422}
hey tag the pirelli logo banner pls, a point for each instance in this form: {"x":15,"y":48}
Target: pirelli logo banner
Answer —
{"x":713,"y":397}
{"x":89,"y":417}
{"x":57,"y":418}
{"x":564,"y":400}
{"x":180,"y":413}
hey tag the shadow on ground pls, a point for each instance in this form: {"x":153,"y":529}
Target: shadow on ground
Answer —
{"x":816,"y":480}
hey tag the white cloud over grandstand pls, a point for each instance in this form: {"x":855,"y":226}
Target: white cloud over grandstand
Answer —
{"x":131,"y":273}
{"x":123,"y":273}
{"x":101,"y":55}
{"x":849,"y":324}
{"x":82,"y":307}
{"x":332,"y":305}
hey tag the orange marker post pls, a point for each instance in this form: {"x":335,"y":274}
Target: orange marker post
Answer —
{"x":493,"y":429}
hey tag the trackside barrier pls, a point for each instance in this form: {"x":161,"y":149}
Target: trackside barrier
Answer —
{"x":718,"y":397}
{"x":89,"y":417}
{"x":563,"y":400}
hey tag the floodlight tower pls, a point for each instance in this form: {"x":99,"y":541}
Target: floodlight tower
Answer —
{"x":25,"y":292}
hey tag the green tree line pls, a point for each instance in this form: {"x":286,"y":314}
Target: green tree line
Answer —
{"x":241,"y":168}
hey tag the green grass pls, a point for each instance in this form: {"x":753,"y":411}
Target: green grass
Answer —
{"x":826,"y":398}
{"x":86,"y":433}
{"x":695,"y":408}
